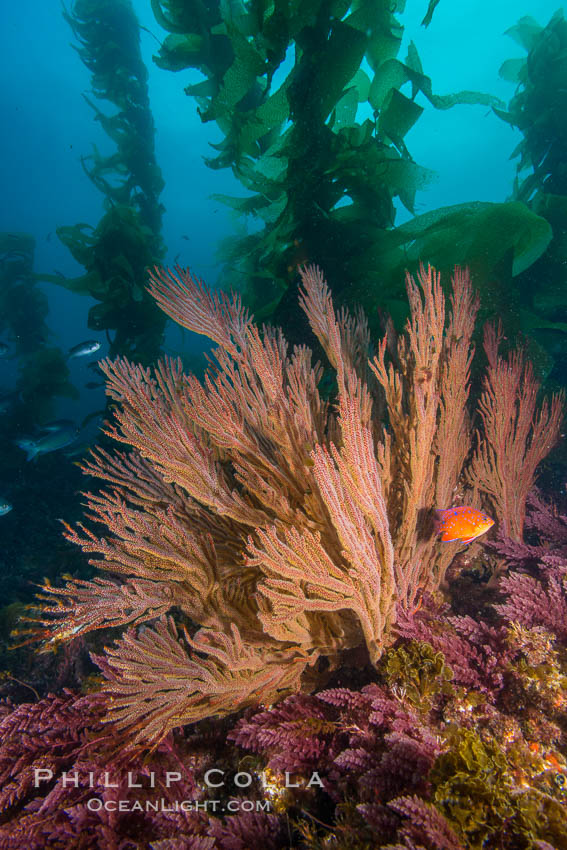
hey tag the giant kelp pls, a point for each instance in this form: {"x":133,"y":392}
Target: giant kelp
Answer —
{"x":539,"y":106}
{"x":314,"y":106}
{"x":108,"y":36}
{"x":115,"y":255}
{"x":539,"y":109}
{"x":497,"y":241}
{"x":43,"y":373}
{"x":128,"y":237}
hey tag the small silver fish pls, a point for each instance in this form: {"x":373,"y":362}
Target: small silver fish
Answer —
{"x":50,"y":442}
{"x":5,"y":507}
{"x":83,"y":349}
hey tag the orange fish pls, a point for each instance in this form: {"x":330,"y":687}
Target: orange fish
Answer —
{"x":462,"y":523}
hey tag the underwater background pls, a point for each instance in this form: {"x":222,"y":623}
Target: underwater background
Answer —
{"x":49,"y":127}
{"x":243,"y":140}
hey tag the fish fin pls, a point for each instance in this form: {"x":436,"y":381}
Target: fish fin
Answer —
{"x":31,"y":453}
{"x":468,"y":539}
